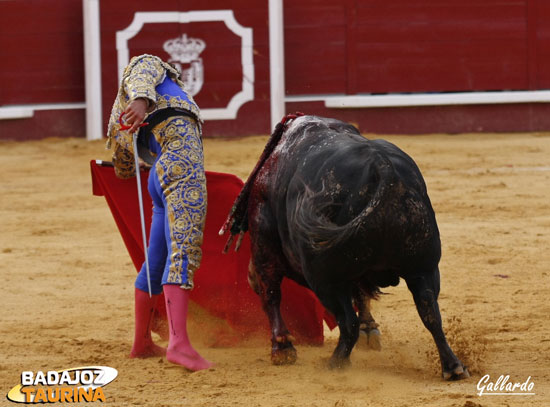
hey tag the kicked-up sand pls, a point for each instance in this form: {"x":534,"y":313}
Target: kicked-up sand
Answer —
{"x":67,"y":292}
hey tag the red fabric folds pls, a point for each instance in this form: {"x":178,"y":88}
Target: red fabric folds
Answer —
{"x":221,"y":285}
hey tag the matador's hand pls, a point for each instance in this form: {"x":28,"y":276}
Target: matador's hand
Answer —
{"x":135,"y":113}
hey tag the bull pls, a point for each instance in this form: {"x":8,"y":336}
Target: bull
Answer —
{"x":343,"y":216}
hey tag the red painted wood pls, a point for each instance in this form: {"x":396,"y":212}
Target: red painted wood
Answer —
{"x":315,"y":47}
{"x":451,"y":18}
{"x":532,"y":28}
{"x":42,"y":45}
{"x":315,"y":62}
{"x":45,"y":123}
{"x":366,"y":46}
{"x":438,"y":67}
{"x":429,"y":4}
{"x":422,"y":46}
{"x":314,"y":13}
{"x":351,"y":47}
{"x":439,"y":119}
{"x":428,"y":46}
{"x":542,"y":46}
{"x":391,"y":30}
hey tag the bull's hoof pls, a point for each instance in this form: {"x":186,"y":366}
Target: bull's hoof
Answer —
{"x":286,"y":356}
{"x":458,"y":373}
{"x":338,"y":363}
{"x":371,"y":338}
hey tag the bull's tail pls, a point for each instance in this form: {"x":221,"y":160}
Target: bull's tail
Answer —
{"x":312,"y":228}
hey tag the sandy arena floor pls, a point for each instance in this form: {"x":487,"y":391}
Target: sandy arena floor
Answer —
{"x":67,"y":297}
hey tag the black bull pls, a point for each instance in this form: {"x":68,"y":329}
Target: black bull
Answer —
{"x":344,"y":216}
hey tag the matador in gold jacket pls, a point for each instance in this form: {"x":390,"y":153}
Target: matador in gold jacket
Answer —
{"x":151,"y":91}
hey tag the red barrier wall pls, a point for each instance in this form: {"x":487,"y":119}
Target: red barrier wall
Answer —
{"x":348,"y":47}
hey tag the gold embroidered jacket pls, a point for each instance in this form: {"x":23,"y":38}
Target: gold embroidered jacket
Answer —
{"x":139,"y":80}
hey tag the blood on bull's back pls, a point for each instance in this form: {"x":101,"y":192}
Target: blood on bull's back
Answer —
{"x":348,"y":207}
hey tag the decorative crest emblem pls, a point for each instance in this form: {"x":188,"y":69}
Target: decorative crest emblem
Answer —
{"x":184,"y":54}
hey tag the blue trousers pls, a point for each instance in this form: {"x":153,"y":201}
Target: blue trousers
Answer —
{"x":177,"y":185}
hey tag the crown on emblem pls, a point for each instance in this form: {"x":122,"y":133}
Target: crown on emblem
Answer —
{"x":183,"y":49}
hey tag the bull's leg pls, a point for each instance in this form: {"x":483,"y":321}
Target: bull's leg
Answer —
{"x":425,"y":290}
{"x":340,"y":304}
{"x":269,"y":290}
{"x":266,"y":271}
{"x":368,"y":328}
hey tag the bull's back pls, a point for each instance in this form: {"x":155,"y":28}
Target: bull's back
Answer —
{"x":342,"y":199}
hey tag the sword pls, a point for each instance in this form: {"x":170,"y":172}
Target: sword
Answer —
{"x":141,"y":213}
{"x":140,"y":197}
